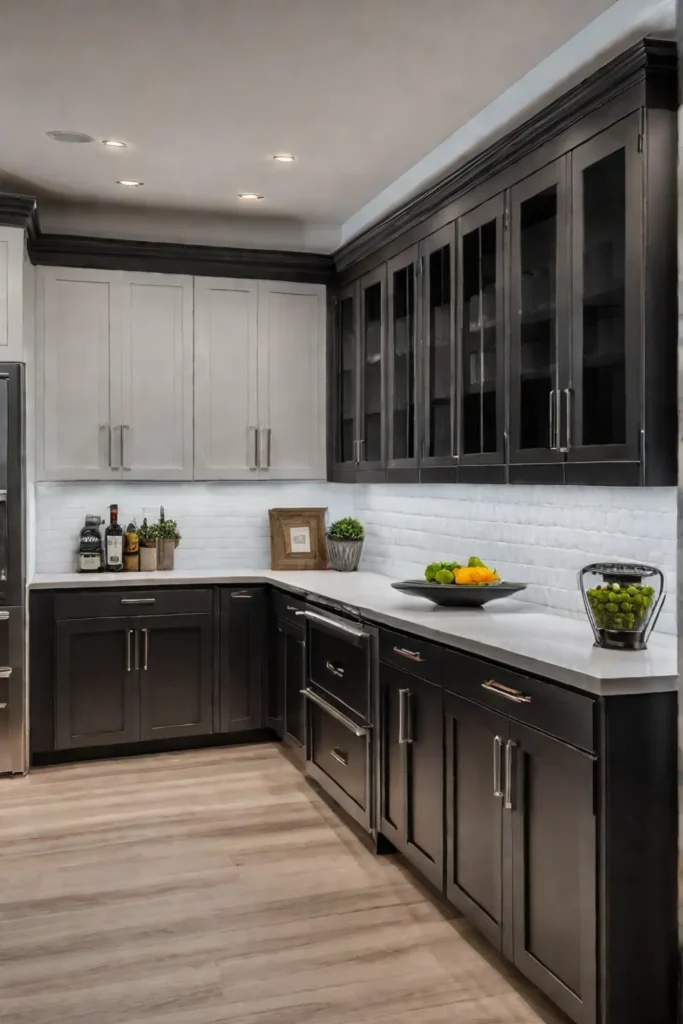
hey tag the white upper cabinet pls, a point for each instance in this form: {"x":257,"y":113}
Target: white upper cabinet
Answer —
{"x":291,"y":380}
{"x":77,"y":383}
{"x":156,"y":377}
{"x":225,"y":357}
{"x":162,"y":377}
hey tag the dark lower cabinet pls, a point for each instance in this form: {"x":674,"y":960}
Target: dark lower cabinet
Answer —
{"x":521,"y":849}
{"x":291,"y":674}
{"x":554,"y":869}
{"x":475,"y":740}
{"x":411,"y":753}
{"x":175,"y":657}
{"x":242,"y":658}
{"x":96,"y":685}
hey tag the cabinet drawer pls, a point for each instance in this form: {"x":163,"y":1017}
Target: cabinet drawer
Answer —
{"x":286,"y":606}
{"x":411,"y":655}
{"x":340,"y":668}
{"x":89,"y":604}
{"x":339,"y":754}
{"x":568,"y":716}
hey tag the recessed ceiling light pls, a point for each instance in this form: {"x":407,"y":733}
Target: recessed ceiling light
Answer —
{"x":114,"y":143}
{"x":249,"y":195}
{"x":284,"y":158}
{"x":129,"y":183}
{"x":62,"y":136}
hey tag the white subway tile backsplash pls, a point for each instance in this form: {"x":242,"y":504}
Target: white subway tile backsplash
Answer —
{"x":537,"y":535}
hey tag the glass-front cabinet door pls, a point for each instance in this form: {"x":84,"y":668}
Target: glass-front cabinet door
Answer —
{"x":481,"y":357}
{"x":437,"y":260}
{"x":402,"y":388}
{"x":346,"y":377}
{"x":371,"y":435}
{"x":538,"y":314}
{"x":603,"y":401}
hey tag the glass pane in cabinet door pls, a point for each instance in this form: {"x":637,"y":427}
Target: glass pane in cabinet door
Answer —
{"x":403,"y":316}
{"x":538,"y":345}
{"x":372,"y":374}
{"x":439,"y":355}
{"x":347,"y":380}
{"x":480,"y":340}
{"x":604,"y":265}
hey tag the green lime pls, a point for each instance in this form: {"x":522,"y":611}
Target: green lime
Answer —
{"x":611,"y":607}
{"x":626,"y":606}
{"x":638,"y":601}
{"x":631,"y":591}
{"x":604,"y":596}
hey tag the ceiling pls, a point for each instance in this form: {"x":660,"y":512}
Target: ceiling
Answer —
{"x":205,"y":91}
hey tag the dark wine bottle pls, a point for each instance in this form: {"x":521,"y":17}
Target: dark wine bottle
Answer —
{"x":113,"y":542}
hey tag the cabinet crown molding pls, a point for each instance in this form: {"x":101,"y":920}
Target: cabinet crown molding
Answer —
{"x":17,"y":211}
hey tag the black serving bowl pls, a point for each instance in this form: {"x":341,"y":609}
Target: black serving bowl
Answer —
{"x":459,"y":595}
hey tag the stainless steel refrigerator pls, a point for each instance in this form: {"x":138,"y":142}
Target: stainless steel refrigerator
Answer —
{"x":13,"y":697}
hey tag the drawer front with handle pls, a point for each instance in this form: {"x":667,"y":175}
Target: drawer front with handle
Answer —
{"x":286,"y":607}
{"x":338,"y":758}
{"x":562,"y":713}
{"x":339,"y":668}
{"x":411,"y":655}
{"x":173,"y":600}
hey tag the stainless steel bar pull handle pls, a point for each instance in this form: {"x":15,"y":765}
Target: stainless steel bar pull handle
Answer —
{"x":497,"y":757}
{"x":405,"y":653}
{"x":252,"y":448}
{"x":137,"y":650}
{"x":509,"y":746}
{"x":506,"y":691}
{"x":568,"y":393}
{"x":124,"y":430}
{"x":243,"y":595}
{"x":112,"y":465}
{"x":340,"y":755}
{"x":357,"y":730}
{"x":402,"y":716}
{"x":3,"y":705}
{"x":145,"y":662}
{"x":138,"y":600}
{"x":264,"y":453}
{"x":5,"y":672}
{"x":342,"y":627}
{"x":335,"y":670}
{"x":128,"y":643}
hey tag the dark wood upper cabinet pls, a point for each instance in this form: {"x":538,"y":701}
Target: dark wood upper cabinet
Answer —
{"x":603,"y":400}
{"x":372,"y":404}
{"x":402,"y":361}
{"x":526,"y":329}
{"x":539,"y":321}
{"x":346,"y":368}
{"x":438,"y":364}
{"x":481,"y":413}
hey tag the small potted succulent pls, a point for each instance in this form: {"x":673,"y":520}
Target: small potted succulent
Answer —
{"x":148,"y":547}
{"x":166,"y":533}
{"x":345,"y":544}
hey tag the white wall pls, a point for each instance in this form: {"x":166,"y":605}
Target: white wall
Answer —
{"x":537,"y":535}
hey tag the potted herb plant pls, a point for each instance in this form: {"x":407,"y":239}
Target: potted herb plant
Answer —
{"x":345,"y":544}
{"x":166,"y":532}
{"x":148,"y":547}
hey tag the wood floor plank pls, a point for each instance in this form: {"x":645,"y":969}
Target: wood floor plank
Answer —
{"x":216,"y":886}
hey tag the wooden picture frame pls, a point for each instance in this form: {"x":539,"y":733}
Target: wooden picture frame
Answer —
{"x":297,"y":538}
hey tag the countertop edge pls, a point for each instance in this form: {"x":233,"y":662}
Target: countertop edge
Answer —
{"x":593,"y":685}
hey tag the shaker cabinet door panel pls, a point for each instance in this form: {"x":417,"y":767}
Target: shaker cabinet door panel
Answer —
{"x":475,"y":739}
{"x":225,"y":372}
{"x":77,"y":374}
{"x":604,"y":410}
{"x":242,"y":658}
{"x":96,"y":684}
{"x":539,"y":315}
{"x":156,"y":360}
{"x":291,"y":381}
{"x":555,"y":870}
{"x":175,"y":658}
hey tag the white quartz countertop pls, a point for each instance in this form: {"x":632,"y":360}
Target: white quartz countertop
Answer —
{"x":509,"y":631}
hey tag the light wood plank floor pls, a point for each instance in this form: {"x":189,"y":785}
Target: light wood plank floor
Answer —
{"x":212,"y":886}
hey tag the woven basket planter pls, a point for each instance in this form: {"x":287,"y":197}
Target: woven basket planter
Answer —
{"x":344,"y":555}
